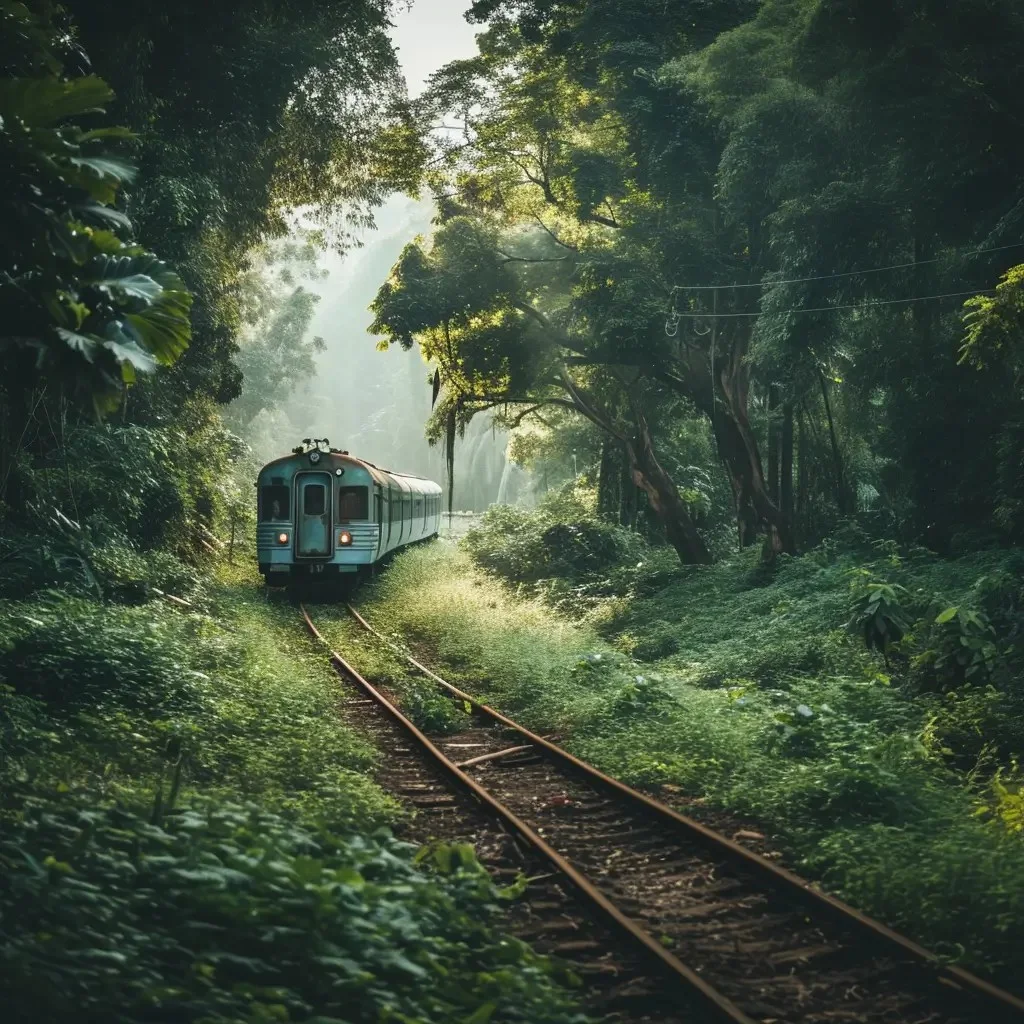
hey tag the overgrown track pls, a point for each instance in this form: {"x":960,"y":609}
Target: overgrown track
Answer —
{"x":750,"y":941}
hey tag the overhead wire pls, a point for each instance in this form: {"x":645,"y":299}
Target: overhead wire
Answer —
{"x":843,"y":273}
{"x":674,"y":316}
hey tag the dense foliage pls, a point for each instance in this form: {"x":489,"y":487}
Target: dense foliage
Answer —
{"x":736,"y":687}
{"x":259,"y":920}
{"x":722,"y":274}
{"x":665,"y":218}
{"x":189,"y":832}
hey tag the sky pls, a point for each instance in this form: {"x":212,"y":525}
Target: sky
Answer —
{"x":426,"y":36}
{"x":430,"y":35}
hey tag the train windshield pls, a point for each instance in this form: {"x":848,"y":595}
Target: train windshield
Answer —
{"x":353,"y":503}
{"x":274,"y":502}
{"x":314,"y":503}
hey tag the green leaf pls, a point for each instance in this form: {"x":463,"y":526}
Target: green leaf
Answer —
{"x":946,"y":615}
{"x":113,"y":132}
{"x":481,"y":1015}
{"x":105,"y":167}
{"x":85,"y":344}
{"x":131,"y":358}
{"x":40,"y":102}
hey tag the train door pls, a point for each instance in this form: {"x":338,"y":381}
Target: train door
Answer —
{"x":378,"y":516}
{"x":313,"y":519}
{"x":390,"y":511}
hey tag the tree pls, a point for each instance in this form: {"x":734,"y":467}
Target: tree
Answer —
{"x":83,"y":310}
{"x":275,"y":356}
{"x":246,"y":112}
{"x":492,"y":319}
{"x":541,"y":145}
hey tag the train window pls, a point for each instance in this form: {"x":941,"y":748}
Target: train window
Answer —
{"x":274,"y":502}
{"x":314,"y":502}
{"x":353,"y":503}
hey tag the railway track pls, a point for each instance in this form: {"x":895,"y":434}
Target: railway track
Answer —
{"x":663,"y":918}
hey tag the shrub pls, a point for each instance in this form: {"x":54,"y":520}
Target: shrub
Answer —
{"x":70,"y":652}
{"x":229,"y":913}
{"x":878,"y":612}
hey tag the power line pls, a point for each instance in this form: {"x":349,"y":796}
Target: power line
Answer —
{"x":827,"y":309}
{"x":844,"y":273}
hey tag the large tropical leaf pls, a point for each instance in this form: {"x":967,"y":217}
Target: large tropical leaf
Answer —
{"x":164,"y":328}
{"x":94,"y":213}
{"x":85,"y":345}
{"x":100,"y":176}
{"x":40,"y":102}
{"x":134,"y":276}
{"x":129,"y":355}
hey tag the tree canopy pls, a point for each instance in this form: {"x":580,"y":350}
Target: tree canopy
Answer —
{"x":748,"y":213}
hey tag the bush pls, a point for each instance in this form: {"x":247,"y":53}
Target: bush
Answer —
{"x":764,"y":704}
{"x":70,"y":652}
{"x":229,"y":913}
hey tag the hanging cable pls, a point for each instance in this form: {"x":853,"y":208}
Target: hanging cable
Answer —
{"x":672,"y":317}
{"x":844,"y":273}
{"x":828,"y":309}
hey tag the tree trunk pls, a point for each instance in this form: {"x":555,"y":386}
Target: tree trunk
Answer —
{"x":842,"y":494}
{"x":786,"y":481}
{"x":664,"y":499}
{"x":607,"y":481}
{"x":723,"y":394}
{"x":738,"y":449}
{"x":627,"y":497}
{"x":773,"y":443}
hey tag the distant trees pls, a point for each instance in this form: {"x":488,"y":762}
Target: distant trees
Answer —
{"x":276,"y":356}
{"x":235,"y":115}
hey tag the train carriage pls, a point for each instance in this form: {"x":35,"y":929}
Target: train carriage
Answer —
{"x":323,"y":513}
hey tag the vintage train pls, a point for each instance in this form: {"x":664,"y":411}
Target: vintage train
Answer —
{"x":323,"y":514}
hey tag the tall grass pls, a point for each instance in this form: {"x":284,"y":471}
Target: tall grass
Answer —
{"x":765,"y":707}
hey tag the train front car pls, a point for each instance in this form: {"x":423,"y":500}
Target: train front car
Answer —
{"x":325,"y":515}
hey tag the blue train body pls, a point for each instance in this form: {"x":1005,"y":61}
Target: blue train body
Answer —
{"x":323,"y":513}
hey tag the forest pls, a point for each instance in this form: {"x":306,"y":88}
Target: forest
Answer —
{"x":711,"y":312}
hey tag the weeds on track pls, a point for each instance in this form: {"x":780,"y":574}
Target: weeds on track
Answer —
{"x":763,"y":704}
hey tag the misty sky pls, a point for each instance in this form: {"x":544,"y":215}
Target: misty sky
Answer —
{"x":431,"y":34}
{"x":376,"y":403}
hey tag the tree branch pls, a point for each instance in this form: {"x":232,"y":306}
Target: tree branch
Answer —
{"x":553,"y":236}
{"x":524,"y":259}
{"x":583,"y":406}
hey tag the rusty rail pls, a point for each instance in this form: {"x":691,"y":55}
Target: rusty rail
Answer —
{"x":1007,"y":1005}
{"x":649,"y":945}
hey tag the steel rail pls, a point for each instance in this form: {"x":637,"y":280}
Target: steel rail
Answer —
{"x":1010,"y":1006}
{"x":650,"y":946}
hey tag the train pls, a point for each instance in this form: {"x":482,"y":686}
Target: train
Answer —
{"x":323,"y":514}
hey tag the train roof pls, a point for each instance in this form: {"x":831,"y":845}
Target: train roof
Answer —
{"x":374,"y":469}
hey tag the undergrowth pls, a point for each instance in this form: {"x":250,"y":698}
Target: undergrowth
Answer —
{"x":751,"y":691}
{"x":190,"y":833}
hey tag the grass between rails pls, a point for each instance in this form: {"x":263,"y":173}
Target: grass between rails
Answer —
{"x":189,"y":834}
{"x":763,"y":704}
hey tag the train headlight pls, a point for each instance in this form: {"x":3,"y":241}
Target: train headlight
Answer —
{"x":314,"y":457}
{"x":344,"y":538}
{"x":282,"y":538}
